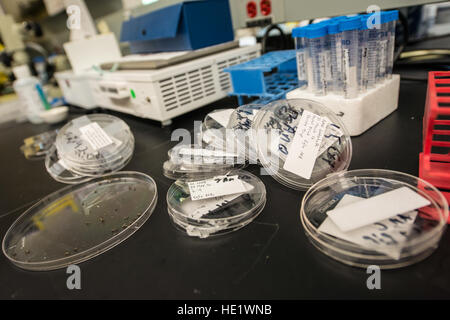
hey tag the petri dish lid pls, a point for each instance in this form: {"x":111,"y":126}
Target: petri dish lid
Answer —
{"x":213,"y":130}
{"x":228,"y":207}
{"x":59,"y":170}
{"x":195,"y":155}
{"x":79,"y":222}
{"x":393,"y":242}
{"x":93,"y":138}
{"x":177,"y":171}
{"x":205,"y":230}
{"x":240,"y":124}
{"x":293,"y":164}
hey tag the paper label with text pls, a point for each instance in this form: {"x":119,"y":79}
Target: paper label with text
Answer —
{"x":216,"y":187}
{"x":305,"y":146}
{"x":385,"y":236}
{"x":95,"y":136}
{"x":377,"y":208}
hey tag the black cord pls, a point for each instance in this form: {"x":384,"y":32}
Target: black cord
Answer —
{"x":266,"y":36}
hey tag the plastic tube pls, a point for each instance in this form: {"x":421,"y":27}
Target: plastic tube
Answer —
{"x":350,"y":48}
{"x":392,"y":18}
{"x":318,"y":58}
{"x":382,"y":47}
{"x":335,"y":39}
{"x":301,"y":46}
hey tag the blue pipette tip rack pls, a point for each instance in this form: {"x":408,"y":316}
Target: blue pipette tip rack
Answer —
{"x":268,"y":77}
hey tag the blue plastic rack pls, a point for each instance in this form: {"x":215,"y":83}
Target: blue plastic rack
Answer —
{"x":268,"y":77}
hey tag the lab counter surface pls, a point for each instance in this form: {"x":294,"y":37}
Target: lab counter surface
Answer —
{"x":269,"y":259}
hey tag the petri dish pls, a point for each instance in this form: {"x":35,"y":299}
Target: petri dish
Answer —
{"x":214,"y":129}
{"x":275,"y":128}
{"x":216,"y":215}
{"x":194,"y":162}
{"x":396,"y":242}
{"x":59,"y":171}
{"x":81,"y":221}
{"x":240,"y":124}
{"x":94,"y":145}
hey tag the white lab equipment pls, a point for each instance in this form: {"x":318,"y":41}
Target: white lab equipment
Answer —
{"x":350,"y":48}
{"x":29,"y":90}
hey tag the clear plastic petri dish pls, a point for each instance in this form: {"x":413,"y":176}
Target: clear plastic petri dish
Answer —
{"x":93,"y":138}
{"x":217,"y":213}
{"x":202,"y":230}
{"x":59,"y":171}
{"x":214,"y":129}
{"x":299,"y":142}
{"x":80,"y":222}
{"x":195,"y":155}
{"x":394,"y":242}
{"x":176,"y":171}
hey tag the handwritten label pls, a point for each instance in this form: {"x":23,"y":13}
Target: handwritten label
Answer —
{"x":95,"y":136}
{"x":332,"y":135}
{"x":304,"y":149}
{"x":216,"y":187}
{"x":385,"y":236}
{"x":377,"y":208}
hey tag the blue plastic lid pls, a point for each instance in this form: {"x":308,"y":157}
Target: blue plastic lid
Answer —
{"x":298,"y":32}
{"x":384,"y":17}
{"x":352,"y":23}
{"x":333,"y":26}
{"x":364,"y":22}
{"x":393,"y":15}
{"x":316,"y":30}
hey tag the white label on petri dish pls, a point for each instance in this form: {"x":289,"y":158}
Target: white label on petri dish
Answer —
{"x":95,"y":135}
{"x":377,"y":208}
{"x":385,"y":236}
{"x":216,"y":187}
{"x":222,"y":116}
{"x":304,"y":149}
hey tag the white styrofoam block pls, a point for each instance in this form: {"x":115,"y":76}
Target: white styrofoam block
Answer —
{"x":85,"y":53}
{"x":361,"y":113}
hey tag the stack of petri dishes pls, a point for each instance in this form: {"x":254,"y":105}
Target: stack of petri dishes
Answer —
{"x":193,"y":162}
{"x":90,"y":146}
{"x":216,"y":215}
{"x":398,"y":240}
{"x":299,"y":142}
